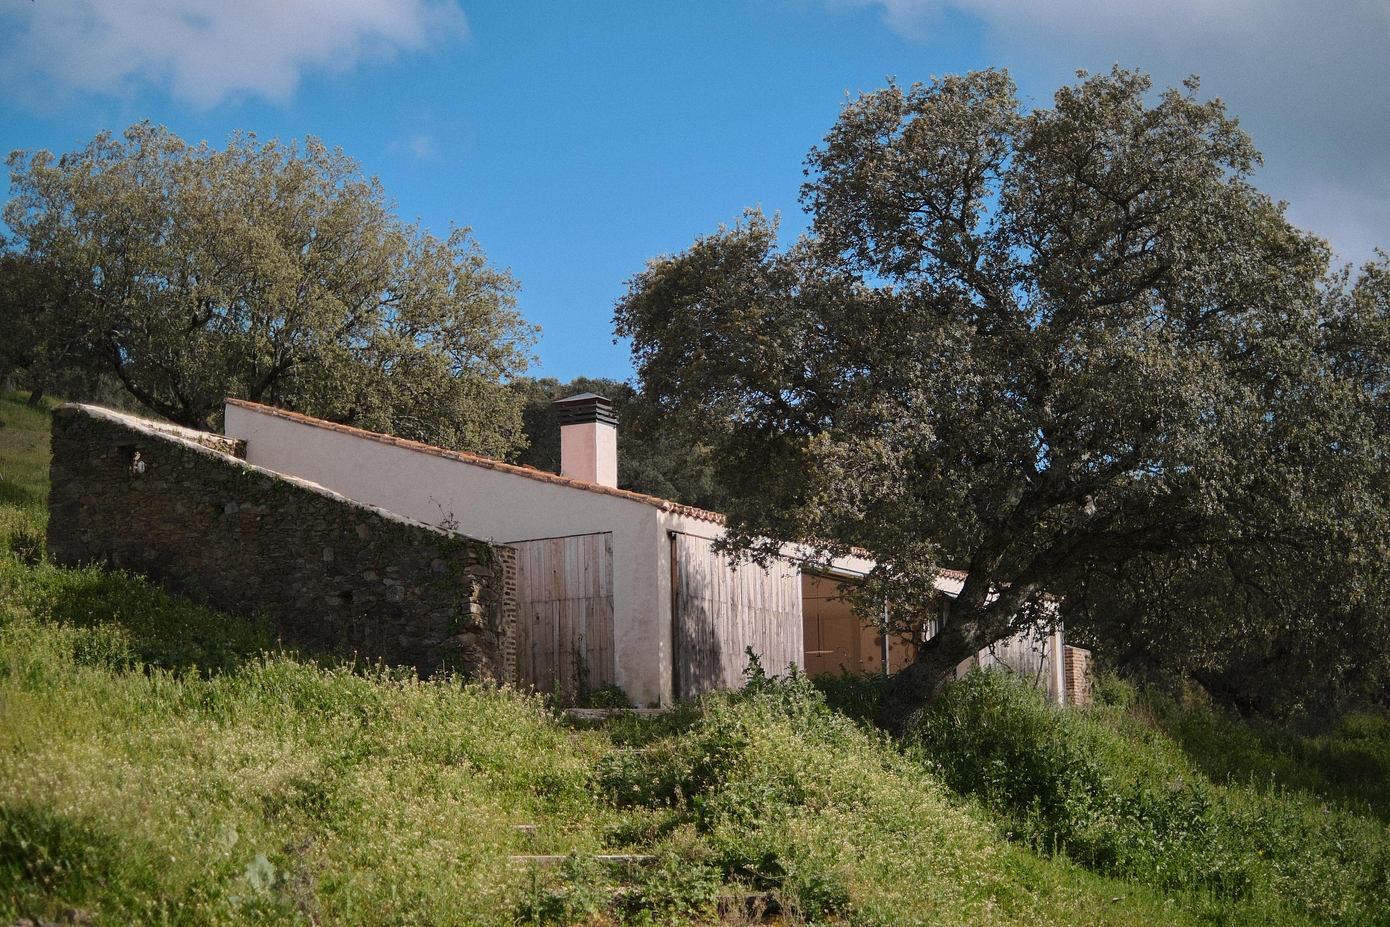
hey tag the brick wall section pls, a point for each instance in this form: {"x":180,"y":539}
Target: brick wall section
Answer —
{"x":1076,"y":662}
{"x":333,"y":575}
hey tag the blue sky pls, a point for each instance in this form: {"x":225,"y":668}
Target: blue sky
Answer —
{"x":579,"y":139}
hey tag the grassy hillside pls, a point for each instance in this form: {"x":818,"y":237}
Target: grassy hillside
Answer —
{"x":162,"y":763}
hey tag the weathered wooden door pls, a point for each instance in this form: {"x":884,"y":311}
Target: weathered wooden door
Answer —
{"x":1031,"y":654}
{"x":564,"y":613}
{"x":718,"y":612}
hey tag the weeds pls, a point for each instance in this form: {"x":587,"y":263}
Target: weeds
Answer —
{"x":1126,"y":800}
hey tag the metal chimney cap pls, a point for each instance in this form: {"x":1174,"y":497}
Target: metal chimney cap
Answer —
{"x":583,"y":408}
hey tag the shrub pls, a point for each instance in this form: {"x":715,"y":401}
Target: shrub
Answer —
{"x":857,"y":695}
{"x":1110,"y":791}
{"x":26,"y":544}
{"x":607,"y":696}
{"x":674,"y":891}
{"x":22,"y":531}
{"x":574,"y":895}
{"x":803,"y":807}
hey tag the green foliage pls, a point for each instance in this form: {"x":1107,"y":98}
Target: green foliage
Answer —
{"x":132,"y":615}
{"x":607,"y":696}
{"x":1118,"y":795}
{"x":23,"y":479}
{"x":575,"y":896}
{"x":267,"y":271}
{"x":1070,"y":348}
{"x":858,"y":695}
{"x":283,"y":790}
{"x":290,"y":792}
{"x":1346,"y":763}
{"x":23,"y":541}
{"x":23,"y":455}
{"x":823,"y":818}
{"x":675,"y":891}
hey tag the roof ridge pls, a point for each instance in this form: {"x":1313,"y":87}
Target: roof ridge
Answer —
{"x":478,"y":460}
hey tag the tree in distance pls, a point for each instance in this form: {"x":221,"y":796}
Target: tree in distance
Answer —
{"x":1072,"y":350}
{"x":652,"y":458}
{"x":267,"y":271}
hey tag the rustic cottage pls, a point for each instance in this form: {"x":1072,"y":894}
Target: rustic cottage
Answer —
{"x":613,"y":587}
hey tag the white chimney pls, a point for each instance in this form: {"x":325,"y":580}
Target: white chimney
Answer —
{"x":588,"y":439}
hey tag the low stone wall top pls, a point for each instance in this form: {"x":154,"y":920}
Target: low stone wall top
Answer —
{"x":209,"y":439}
{"x":334,"y":575}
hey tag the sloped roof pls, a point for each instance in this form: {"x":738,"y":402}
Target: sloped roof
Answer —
{"x":477,"y":460}
{"x":544,"y":476}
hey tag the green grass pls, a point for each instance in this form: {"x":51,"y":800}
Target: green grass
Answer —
{"x":161,"y":763}
{"x":1347,"y":764}
{"x":23,"y":453}
{"x":1114,"y":790}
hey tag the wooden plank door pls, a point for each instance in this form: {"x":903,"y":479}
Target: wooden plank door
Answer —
{"x":564,"y":614}
{"x":719,"y":611}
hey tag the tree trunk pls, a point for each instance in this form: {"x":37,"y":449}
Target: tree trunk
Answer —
{"x":921,"y":682}
{"x":983,"y":614}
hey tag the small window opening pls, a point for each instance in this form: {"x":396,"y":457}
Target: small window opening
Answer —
{"x":130,"y":456}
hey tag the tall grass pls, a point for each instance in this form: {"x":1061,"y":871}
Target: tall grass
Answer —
{"x":788,"y":797}
{"x":1113,"y":790}
{"x":281,"y":792}
{"x":23,"y":453}
{"x":1346,"y":763}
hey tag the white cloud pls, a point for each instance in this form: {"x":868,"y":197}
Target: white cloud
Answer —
{"x":205,"y":51}
{"x":1135,"y":17}
{"x":421,"y":146}
{"x":1307,"y":78}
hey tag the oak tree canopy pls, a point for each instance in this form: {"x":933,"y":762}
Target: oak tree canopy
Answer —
{"x":268,"y":271}
{"x":1071,"y":349}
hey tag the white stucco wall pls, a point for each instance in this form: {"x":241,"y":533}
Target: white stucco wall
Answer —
{"x":494,"y":505}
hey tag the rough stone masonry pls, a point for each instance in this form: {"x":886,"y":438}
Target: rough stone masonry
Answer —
{"x":333,"y":575}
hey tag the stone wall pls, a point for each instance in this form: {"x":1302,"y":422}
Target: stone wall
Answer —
{"x":333,"y":575}
{"x":210,"y":439}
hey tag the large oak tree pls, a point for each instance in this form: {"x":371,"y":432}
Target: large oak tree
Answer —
{"x":268,"y":271}
{"x":1070,"y":349}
